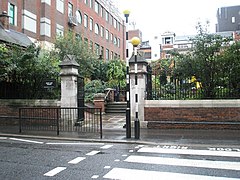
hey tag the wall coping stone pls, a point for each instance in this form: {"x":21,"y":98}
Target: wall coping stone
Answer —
{"x":193,"y":103}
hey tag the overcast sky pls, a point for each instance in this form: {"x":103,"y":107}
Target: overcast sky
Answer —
{"x":154,"y":17}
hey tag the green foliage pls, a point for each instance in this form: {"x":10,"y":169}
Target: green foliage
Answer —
{"x":93,"y":87}
{"x":116,"y":73}
{"x":24,"y":70}
{"x":69,"y":45}
{"x":210,"y":54}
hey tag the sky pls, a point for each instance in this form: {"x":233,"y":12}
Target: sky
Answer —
{"x":154,"y":17}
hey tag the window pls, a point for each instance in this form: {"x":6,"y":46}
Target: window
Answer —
{"x":111,"y":37}
{"x":86,"y":1}
{"x":107,"y":54}
{"x":60,"y":5}
{"x":101,"y":11}
{"x":111,"y":55}
{"x":115,"y":23}
{"x":118,"y":26}
{"x":91,"y":3}
{"x":102,"y":52}
{"x":91,"y":24}
{"x":97,"y":49}
{"x":70,"y":9}
{"x":118,"y":42}
{"x":96,"y":7}
{"x":107,"y":16}
{"x":107,"y":34}
{"x":59,"y":30}
{"x":96,"y":28}
{"x":167,"y":56}
{"x":102,"y":31}
{"x":233,"y":19}
{"x":115,"y":41}
{"x":79,"y":17}
{"x":85,"y":20}
{"x":11,"y":14}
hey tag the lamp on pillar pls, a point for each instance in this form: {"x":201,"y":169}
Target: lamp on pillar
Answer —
{"x":135,"y":42}
{"x":128,"y":112}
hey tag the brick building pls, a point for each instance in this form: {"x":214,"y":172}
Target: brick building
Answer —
{"x":96,"y":22}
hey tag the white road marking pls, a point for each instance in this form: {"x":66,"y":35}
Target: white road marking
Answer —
{"x":76,"y":160}
{"x":3,"y":137}
{"x":107,"y":167}
{"x":76,"y":143}
{"x":55,"y":171}
{"x":134,"y":174}
{"x":92,"y":153}
{"x":185,"y":162}
{"x":190,"y":152}
{"x":117,"y":160}
{"x":124,"y":155}
{"x":130,"y":150}
{"x":95,"y":176}
{"x":24,"y":140}
{"x":106,"y":147}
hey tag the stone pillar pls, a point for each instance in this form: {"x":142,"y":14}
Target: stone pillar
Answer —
{"x":69,"y":75}
{"x":140,"y":89}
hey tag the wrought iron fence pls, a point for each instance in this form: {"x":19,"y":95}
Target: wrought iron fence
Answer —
{"x":82,"y":119}
{"x":186,"y":89}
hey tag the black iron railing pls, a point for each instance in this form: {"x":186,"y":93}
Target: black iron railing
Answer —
{"x":82,"y":119}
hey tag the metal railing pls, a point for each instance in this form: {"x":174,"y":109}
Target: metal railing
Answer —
{"x":61,"y":119}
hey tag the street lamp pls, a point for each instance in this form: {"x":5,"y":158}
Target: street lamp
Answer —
{"x":128,"y":112}
{"x":135,"y":42}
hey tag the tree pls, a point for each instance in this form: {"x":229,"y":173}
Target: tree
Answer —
{"x":70,"y":45}
{"x":116,"y":73}
{"x":203,"y":61}
{"x":23,"y":70}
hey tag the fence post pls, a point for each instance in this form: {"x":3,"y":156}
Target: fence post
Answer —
{"x":20,"y":120}
{"x":101,"y":132}
{"x":58,"y":121}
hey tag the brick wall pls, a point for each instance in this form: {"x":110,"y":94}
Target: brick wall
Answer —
{"x":9,"y":109}
{"x":193,"y":114}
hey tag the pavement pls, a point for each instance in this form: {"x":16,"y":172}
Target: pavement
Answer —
{"x":114,"y":132}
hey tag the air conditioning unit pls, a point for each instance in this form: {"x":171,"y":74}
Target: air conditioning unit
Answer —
{"x":72,"y":21}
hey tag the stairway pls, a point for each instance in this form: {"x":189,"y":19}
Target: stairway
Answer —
{"x":116,"y":107}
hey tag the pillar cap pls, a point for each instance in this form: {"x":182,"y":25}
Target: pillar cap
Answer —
{"x":69,"y":60}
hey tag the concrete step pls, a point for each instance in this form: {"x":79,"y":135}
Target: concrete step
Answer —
{"x":116,"y":107}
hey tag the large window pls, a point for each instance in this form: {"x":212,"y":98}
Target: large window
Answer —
{"x":11,"y":14}
{"x":107,"y":54}
{"x":60,"y":5}
{"x":107,"y":34}
{"x":70,"y":9}
{"x":102,"y":31}
{"x":96,"y":28}
{"x":85,"y":20}
{"x":107,"y":16}
{"x":91,"y":24}
{"x":79,"y":17}
{"x":96,"y":7}
{"x":97,"y":49}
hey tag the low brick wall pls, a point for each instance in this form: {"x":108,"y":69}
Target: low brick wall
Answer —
{"x":204,"y":114}
{"x":9,"y":108}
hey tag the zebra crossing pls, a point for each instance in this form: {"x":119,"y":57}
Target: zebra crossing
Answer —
{"x":225,"y":165}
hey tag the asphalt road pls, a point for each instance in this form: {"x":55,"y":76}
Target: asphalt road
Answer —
{"x":22,"y":158}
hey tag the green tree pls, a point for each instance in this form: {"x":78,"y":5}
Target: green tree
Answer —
{"x":203,"y":61}
{"x":70,"y":45}
{"x":116,"y":73}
